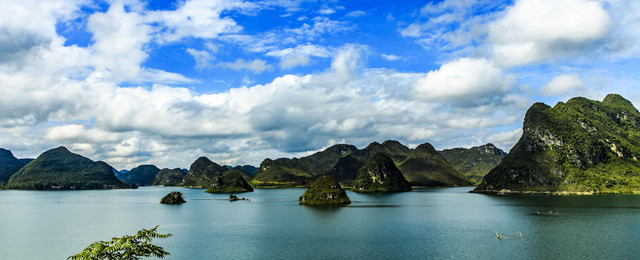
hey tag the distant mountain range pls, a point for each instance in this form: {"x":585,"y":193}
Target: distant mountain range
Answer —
{"x":422,"y":166}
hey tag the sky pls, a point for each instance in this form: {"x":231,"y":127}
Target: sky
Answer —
{"x":164,"y":82}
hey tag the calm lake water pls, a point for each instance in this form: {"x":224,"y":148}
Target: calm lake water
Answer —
{"x":423,"y":224}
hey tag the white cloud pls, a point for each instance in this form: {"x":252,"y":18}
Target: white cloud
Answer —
{"x":391,"y":57}
{"x":356,"y":13}
{"x":118,"y":40}
{"x":203,"y":58}
{"x":463,"y":80}
{"x":195,"y":18}
{"x":77,"y":133}
{"x":533,"y":30}
{"x":256,"y":65}
{"x":299,"y":56}
{"x":561,"y":85}
{"x":505,"y":139}
{"x":327,"y":11}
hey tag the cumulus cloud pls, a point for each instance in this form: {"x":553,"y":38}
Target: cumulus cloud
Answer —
{"x":463,"y":80}
{"x":195,"y":18}
{"x":561,"y":85}
{"x":126,"y":124}
{"x":532,"y":31}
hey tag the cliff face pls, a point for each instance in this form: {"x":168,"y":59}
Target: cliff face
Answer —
{"x":578,"y":146}
{"x":325,"y":191}
{"x":380,"y":174}
{"x":475,"y":162}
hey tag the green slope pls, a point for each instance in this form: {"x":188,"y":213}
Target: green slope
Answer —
{"x":581,"y":146}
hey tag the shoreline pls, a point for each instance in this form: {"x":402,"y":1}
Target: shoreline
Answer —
{"x":561,"y":193}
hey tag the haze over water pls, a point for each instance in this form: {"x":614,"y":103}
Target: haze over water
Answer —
{"x":425,"y":223}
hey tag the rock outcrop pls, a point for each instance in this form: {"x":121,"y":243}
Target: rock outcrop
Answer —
{"x":174,"y":197}
{"x":325,"y":191}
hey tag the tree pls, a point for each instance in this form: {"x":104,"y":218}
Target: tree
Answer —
{"x":126,"y":247}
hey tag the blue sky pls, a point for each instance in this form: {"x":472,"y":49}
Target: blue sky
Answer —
{"x":164,"y":82}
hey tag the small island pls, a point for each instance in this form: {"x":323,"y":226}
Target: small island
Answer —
{"x":325,"y":191}
{"x":174,"y":197}
{"x":230,"y":182}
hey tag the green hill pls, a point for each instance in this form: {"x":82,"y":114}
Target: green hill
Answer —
{"x":168,"y":177}
{"x":230,"y":182}
{"x":581,"y":146}
{"x":380,"y":174}
{"x":9,"y":165}
{"x":141,"y":175}
{"x":202,"y":173}
{"x":475,"y":162}
{"x":60,"y":169}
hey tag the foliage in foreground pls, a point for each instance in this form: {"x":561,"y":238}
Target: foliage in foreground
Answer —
{"x":126,"y":247}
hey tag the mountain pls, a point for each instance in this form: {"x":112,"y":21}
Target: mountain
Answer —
{"x":380,"y":174}
{"x":60,"y":169}
{"x":141,"y":175}
{"x":581,"y":146}
{"x":475,"y":162}
{"x":230,"y":182}
{"x":9,"y":165}
{"x":201,"y":173}
{"x":299,"y":171}
{"x":25,"y":161}
{"x":249,"y":169}
{"x":168,"y":177}
{"x":324,"y":191}
{"x":422,"y":166}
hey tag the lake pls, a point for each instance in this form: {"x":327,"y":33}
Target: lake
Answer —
{"x":422,"y":224}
